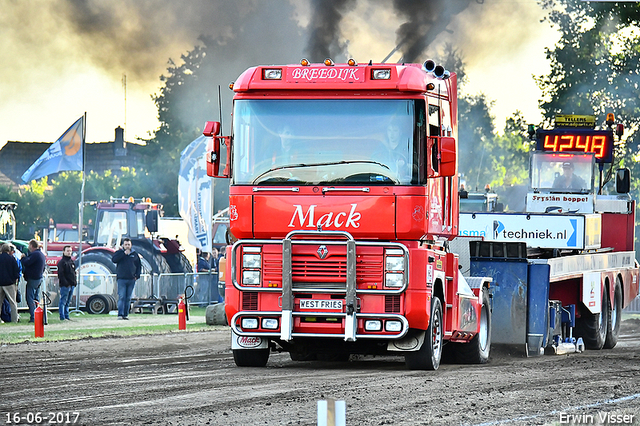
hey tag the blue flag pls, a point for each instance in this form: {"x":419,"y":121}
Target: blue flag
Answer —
{"x":64,"y":154}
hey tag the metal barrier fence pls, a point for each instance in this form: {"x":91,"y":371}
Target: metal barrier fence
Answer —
{"x":170,"y":286}
{"x":634,"y":306}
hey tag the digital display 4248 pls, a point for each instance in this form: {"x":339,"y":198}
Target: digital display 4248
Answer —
{"x":598,"y":142}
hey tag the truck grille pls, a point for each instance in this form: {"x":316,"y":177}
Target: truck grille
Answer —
{"x":309,"y":271}
{"x":392,"y":303}
{"x":249,"y":301}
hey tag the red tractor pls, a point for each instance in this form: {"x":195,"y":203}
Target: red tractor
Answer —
{"x":116,"y":219}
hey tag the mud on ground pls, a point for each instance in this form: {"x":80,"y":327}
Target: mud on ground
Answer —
{"x":191,"y":379}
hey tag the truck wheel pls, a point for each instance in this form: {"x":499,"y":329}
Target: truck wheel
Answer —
{"x":615,"y":316}
{"x":593,"y":327}
{"x":428,"y":356}
{"x":251,"y":357}
{"x":98,"y":304}
{"x":477,"y":350}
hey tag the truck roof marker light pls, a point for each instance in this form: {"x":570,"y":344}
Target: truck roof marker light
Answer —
{"x":272,"y":74}
{"x":329,"y":62}
{"x":610,"y":119}
{"x":305,"y":62}
{"x":383,"y":74}
{"x":352,"y":62}
{"x":130,"y":200}
{"x":231,"y":85}
{"x":429,"y":65}
{"x":431,"y":86}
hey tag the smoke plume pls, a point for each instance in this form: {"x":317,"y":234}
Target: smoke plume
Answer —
{"x":325,"y":39}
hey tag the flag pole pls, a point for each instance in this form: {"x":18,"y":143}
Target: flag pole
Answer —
{"x":81,"y":214}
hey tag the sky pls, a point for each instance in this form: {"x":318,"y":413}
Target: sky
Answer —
{"x":63,"y":58}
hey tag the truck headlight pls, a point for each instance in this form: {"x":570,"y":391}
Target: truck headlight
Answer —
{"x":251,"y":260}
{"x":394,"y":263}
{"x":393,"y":326}
{"x":393,"y":279}
{"x":270,"y":323}
{"x":251,"y":277}
{"x":373,"y":325}
{"x":249,"y":323}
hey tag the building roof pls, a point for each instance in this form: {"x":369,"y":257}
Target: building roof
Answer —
{"x":16,"y":157}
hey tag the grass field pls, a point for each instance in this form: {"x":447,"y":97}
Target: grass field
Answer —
{"x":84,"y":326}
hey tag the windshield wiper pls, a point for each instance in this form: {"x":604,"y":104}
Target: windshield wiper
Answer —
{"x":292,"y":166}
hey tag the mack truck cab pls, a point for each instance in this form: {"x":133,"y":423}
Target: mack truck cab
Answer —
{"x":343,"y":196}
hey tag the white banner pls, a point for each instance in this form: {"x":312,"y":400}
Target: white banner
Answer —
{"x":195,"y":192}
{"x":544,"y":231}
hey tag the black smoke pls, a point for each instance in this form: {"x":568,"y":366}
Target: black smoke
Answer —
{"x":324,"y":40}
{"x":426,"y":19}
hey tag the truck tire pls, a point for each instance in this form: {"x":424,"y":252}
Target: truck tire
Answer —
{"x":615,"y":317}
{"x":97,"y":262}
{"x":251,"y":357}
{"x":215,"y":315}
{"x":477,"y":350}
{"x":98,"y":304}
{"x":593,"y":327}
{"x":428,"y":356}
{"x":113,"y":302}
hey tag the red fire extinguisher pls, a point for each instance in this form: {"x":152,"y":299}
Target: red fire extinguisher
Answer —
{"x":182,"y":315}
{"x":38,"y":322}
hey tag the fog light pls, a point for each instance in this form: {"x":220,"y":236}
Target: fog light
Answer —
{"x":393,"y":326}
{"x":251,"y":277}
{"x":373,"y":325}
{"x":393,"y":280}
{"x":250,"y":323}
{"x":270,"y":323}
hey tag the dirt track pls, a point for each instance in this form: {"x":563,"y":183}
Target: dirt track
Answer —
{"x":190,"y":379}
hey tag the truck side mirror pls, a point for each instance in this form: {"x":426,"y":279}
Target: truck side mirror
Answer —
{"x":623,"y":181}
{"x":448,"y":157}
{"x":151,"y":220}
{"x":212,"y":130}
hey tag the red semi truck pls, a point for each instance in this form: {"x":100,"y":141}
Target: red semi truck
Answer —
{"x":343,"y":197}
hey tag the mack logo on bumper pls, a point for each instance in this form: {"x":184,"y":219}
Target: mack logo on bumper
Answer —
{"x":249,"y":342}
{"x":307,"y":219}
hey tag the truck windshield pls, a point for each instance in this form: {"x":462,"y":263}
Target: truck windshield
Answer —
{"x":310,"y":142}
{"x":562,"y":173}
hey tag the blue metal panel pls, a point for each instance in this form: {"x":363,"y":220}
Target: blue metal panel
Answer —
{"x":509,"y":293}
{"x":538,"y":307}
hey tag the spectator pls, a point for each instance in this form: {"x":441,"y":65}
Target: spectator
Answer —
{"x":67,"y":280}
{"x":203,"y":262}
{"x":128,"y":270}
{"x":9,"y":276}
{"x":33,"y":266}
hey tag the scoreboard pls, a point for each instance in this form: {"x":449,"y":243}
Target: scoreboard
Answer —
{"x":598,"y":142}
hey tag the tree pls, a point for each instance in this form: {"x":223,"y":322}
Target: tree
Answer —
{"x":595,"y":67}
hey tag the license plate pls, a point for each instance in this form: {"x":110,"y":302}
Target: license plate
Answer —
{"x":332,"y":304}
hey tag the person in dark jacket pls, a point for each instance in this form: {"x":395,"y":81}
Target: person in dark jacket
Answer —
{"x":67,"y":280}
{"x":128,"y":270}
{"x":9,"y":276}
{"x":33,"y":266}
